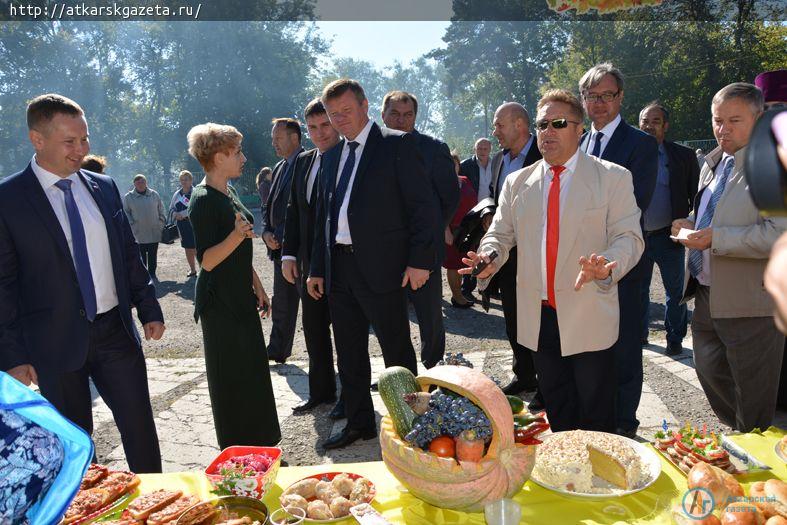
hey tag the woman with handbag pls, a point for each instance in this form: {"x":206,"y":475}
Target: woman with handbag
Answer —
{"x":229,"y":295}
{"x":453,"y":259}
{"x":179,"y":209}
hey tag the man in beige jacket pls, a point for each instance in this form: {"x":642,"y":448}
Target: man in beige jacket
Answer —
{"x":737,"y":348}
{"x":576,"y":223}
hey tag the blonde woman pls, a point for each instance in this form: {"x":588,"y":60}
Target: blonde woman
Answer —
{"x":229,"y":294}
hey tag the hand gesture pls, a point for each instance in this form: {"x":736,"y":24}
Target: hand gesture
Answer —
{"x":263,"y":302}
{"x":677,"y":224}
{"x":700,"y":240}
{"x":416,"y":277}
{"x":596,"y":267}
{"x":153,"y":330}
{"x":25,"y":374}
{"x":473,"y":259}
{"x":316,"y":287}
{"x":271,"y":240}
{"x":243,"y":227}
{"x":289,"y":269}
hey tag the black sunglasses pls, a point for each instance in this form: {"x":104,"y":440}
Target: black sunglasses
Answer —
{"x":557,"y":123}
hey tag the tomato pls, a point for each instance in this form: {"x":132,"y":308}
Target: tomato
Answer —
{"x":443,"y":446}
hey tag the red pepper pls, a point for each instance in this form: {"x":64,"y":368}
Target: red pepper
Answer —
{"x":530,"y":441}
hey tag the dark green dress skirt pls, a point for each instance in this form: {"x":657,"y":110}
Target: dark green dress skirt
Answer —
{"x":241,"y":394}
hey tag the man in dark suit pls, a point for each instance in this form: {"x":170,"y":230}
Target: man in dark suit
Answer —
{"x":296,"y":256}
{"x":512,"y":130}
{"x":375,"y":238}
{"x":286,"y":139}
{"x":673,"y":198}
{"x":399,"y":112}
{"x":478,"y":169}
{"x":70,"y":272}
{"x":610,"y":138}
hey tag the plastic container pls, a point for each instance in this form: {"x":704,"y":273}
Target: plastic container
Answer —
{"x":252,"y":486}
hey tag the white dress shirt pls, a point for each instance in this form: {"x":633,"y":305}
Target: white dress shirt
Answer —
{"x":95,"y":232}
{"x":607,"y":130}
{"x":565,"y":181}
{"x":705,"y":277}
{"x":313,"y":176}
{"x":343,"y":225}
{"x":484,"y":179}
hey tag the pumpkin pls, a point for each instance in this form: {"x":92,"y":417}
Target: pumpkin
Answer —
{"x":462,"y":485}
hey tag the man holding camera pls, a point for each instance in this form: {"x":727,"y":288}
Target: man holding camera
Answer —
{"x":737,"y":349}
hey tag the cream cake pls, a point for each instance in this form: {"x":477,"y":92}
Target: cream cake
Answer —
{"x":570,"y":460}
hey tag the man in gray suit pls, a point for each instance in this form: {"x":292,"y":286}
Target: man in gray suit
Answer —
{"x":737,"y":348}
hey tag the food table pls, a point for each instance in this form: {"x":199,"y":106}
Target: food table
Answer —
{"x":539,"y":505}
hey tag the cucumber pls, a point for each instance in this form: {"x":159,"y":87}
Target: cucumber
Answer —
{"x":517,"y":405}
{"x":394,"y":382}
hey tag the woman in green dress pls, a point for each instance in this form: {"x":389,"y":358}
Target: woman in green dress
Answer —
{"x":229,"y":295}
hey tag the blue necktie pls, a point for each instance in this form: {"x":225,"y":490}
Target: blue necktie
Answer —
{"x":79,"y":245}
{"x":341,"y":189}
{"x":597,"y":145}
{"x":695,"y":256}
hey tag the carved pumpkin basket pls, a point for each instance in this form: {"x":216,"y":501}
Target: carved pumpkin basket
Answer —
{"x":455,"y":484}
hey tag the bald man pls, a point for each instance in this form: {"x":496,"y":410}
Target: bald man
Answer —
{"x":512,"y":130}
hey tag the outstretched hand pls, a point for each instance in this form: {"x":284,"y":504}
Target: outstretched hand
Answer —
{"x":593,"y":268}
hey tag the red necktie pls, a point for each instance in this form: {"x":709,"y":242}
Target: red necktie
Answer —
{"x":553,"y":231}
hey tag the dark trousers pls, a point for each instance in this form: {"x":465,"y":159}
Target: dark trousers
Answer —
{"x":354,"y":307}
{"x":738,"y":362}
{"x":118,"y":370}
{"x":578,"y":390}
{"x":427,"y":301}
{"x":523,"y":367}
{"x":317,"y":333}
{"x":468,"y":284}
{"x":284,"y":314}
{"x":660,"y":249}
{"x":628,"y":353}
{"x":149,"y":253}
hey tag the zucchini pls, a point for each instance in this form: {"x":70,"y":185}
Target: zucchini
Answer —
{"x":393,"y":384}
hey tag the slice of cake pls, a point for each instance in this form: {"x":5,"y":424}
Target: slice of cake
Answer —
{"x":615,"y":461}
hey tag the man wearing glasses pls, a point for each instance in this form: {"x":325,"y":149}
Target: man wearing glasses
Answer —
{"x":576,"y":223}
{"x":611,"y":139}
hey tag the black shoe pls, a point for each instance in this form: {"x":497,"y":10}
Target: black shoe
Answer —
{"x":469,"y":297}
{"x":311,"y":403}
{"x":283,"y":463}
{"x":348,"y":436}
{"x":374,"y":387}
{"x":517,"y":386}
{"x":674,"y":348}
{"x":537,"y":404}
{"x":645,"y":341}
{"x":279,"y":360}
{"x":456,"y":304}
{"x":337,"y":412}
{"x":631,"y":433}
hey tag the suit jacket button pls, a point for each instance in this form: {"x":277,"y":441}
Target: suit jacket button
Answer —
{"x":82,"y":312}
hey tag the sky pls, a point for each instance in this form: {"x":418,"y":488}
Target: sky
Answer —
{"x":381,"y":43}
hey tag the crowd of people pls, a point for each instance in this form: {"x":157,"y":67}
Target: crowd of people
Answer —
{"x":563,"y":224}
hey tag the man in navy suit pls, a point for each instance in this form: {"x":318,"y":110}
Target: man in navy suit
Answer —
{"x":400,"y":109}
{"x":376,"y":238}
{"x":70,"y":272}
{"x":610,"y":138}
{"x":296,"y":259}
{"x":286,"y":140}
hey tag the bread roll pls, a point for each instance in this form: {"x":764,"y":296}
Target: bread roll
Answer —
{"x":720,"y":484}
{"x":740,"y":513}
{"x":776,"y":520}
{"x":680,"y":517}
{"x":776,"y":490}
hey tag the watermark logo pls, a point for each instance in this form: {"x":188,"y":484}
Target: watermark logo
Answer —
{"x":698,"y":503}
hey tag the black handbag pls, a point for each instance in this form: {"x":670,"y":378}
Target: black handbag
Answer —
{"x":170,"y":231}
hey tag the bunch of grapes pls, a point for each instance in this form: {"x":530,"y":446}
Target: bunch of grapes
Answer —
{"x":425,"y":428}
{"x":456,"y":360}
{"x":449,"y":415}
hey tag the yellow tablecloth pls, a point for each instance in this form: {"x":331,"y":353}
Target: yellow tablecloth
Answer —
{"x":539,"y":505}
